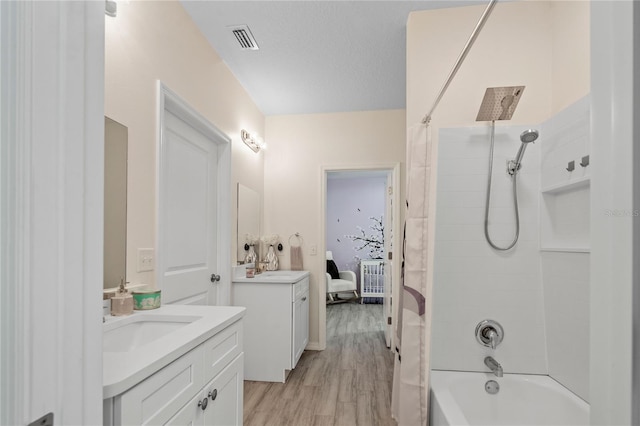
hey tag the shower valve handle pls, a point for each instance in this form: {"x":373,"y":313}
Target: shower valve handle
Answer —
{"x":489,"y":333}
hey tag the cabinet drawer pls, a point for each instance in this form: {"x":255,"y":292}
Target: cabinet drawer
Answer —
{"x":300,"y":288}
{"x":160,"y":396}
{"x":221,"y":349}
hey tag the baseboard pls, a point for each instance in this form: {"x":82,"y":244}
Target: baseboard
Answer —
{"x":314,"y":346}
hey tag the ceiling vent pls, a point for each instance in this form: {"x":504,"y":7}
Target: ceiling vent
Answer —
{"x":244,"y":37}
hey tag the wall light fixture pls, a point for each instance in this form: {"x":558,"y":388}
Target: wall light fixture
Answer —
{"x":252,"y":141}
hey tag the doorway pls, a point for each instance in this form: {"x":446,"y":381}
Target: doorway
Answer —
{"x":360,"y":228}
{"x":355,"y":229}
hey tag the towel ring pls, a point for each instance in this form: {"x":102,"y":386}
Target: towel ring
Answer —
{"x":299,"y":238}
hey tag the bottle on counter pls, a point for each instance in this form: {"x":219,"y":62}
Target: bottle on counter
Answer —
{"x":122,"y":302}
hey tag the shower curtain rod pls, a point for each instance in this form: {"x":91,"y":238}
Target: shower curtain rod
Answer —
{"x":463,"y":55}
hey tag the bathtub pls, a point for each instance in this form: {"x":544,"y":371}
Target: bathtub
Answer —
{"x":459,"y":398}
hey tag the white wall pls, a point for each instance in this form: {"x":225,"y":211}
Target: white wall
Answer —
{"x":351,"y":203}
{"x":299,"y":146}
{"x":565,"y":277}
{"x":473,"y":282}
{"x":565,"y":244}
{"x":568,"y":138}
{"x":571,"y":70}
{"x":541,"y":44}
{"x":155,"y":40}
{"x":501,"y":56}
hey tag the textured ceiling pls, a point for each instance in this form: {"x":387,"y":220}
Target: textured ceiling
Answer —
{"x":315,"y":56}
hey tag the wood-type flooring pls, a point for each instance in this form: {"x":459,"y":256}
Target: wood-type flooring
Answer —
{"x":348,"y":384}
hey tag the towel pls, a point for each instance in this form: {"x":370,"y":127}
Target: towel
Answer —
{"x":296,"y":258}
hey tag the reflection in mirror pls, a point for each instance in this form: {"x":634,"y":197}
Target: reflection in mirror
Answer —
{"x":115,"y":202}
{"x":248,"y":217}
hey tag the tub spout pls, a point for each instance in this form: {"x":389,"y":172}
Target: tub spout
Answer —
{"x":493,"y":365}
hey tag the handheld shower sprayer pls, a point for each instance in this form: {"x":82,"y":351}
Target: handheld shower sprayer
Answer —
{"x":499,"y":103}
{"x":526,"y":137}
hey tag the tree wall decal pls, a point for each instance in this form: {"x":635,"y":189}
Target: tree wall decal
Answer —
{"x":372,"y":241}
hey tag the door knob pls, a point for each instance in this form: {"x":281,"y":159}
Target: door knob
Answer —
{"x":213,"y":394}
{"x":203,"y":404}
{"x":215,"y":278}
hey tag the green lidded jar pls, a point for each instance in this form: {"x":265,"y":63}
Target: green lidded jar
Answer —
{"x":146,"y":299}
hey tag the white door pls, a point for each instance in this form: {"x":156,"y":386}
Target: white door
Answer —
{"x":388,"y":247}
{"x":187,"y":219}
{"x":194,"y":191}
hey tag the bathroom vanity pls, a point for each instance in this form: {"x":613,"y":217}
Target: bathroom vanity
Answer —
{"x":276,"y":323}
{"x":174,"y":365}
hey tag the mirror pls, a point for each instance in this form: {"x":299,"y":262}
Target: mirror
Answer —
{"x":115,"y":202}
{"x":248,"y":217}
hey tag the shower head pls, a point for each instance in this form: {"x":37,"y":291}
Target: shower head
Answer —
{"x":499,"y":103}
{"x":529,"y":135}
{"x":526,"y":137}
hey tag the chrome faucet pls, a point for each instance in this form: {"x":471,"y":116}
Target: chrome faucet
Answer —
{"x":492,"y":335}
{"x":489,"y":333}
{"x":493,"y":366}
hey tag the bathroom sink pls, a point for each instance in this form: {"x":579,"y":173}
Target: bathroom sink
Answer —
{"x":131,"y":333}
{"x":285,"y":277}
{"x":285,"y":274}
{"x":138,"y":345}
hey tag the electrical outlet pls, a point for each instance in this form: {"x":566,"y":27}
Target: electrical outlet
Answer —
{"x":146,"y":260}
{"x":313,"y":250}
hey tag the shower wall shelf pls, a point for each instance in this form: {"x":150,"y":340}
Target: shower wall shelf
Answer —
{"x":582,"y":182}
{"x":565,"y":217}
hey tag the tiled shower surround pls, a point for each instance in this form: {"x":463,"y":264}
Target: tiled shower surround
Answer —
{"x":539,"y":290}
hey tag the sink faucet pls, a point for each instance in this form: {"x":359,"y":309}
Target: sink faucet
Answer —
{"x":493,"y":365}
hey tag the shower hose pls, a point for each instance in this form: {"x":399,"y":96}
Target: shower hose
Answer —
{"x":515,"y":199}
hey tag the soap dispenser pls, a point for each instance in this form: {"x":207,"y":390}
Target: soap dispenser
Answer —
{"x":122,"y":302}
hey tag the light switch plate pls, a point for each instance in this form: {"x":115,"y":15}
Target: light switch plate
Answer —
{"x":146,"y":260}
{"x":313,"y":250}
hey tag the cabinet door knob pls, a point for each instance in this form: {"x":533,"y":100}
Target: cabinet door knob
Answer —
{"x":203,"y":404}
{"x":304,"y":298}
{"x":215,"y":278}
{"x":213,"y":394}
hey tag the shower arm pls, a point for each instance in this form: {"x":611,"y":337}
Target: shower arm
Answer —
{"x":460,"y":60}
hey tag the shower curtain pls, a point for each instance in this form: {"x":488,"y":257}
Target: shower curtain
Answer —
{"x":410,"y":396}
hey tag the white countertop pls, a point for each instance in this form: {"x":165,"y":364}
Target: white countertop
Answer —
{"x":123,"y":370}
{"x":270,"y":277}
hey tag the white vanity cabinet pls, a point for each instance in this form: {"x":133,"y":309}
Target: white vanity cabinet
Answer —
{"x":203,"y":386}
{"x":276,"y":322}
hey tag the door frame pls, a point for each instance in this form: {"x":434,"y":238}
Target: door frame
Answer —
{"x":615,"y":240}
{"x":394,"y":171}
{"x":169,"y":101}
